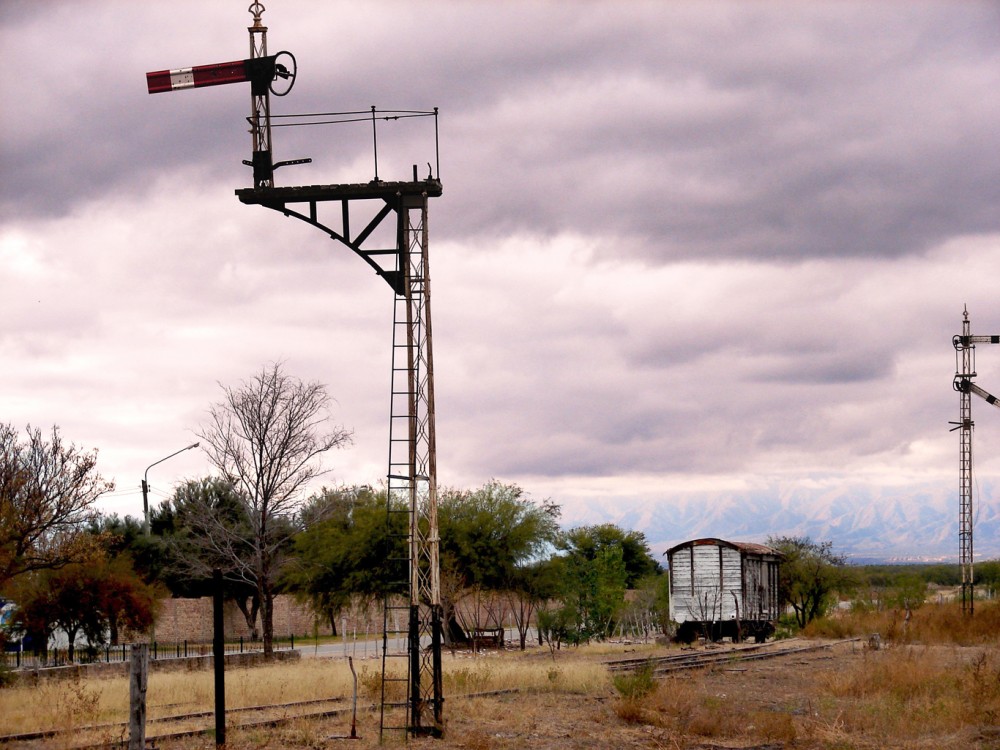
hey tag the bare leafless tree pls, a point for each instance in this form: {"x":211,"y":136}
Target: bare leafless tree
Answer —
{"x":266,"y":438}
{"x":708,"y":608}
{"x":47,"y":490}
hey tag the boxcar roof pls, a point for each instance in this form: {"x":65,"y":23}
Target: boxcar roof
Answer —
{"x":748,"y":547}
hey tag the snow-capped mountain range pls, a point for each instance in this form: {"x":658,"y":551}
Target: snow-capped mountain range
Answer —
{"x":885,"y":527}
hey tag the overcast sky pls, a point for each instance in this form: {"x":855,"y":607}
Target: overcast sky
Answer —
{"x":684,"y":250}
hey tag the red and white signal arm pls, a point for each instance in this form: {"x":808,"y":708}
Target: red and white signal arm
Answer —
{"x":159,"y":81}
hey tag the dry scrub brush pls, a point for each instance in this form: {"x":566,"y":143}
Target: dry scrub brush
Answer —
{"x":67,"y":704}
{"x":930,"y":624}
{"x":683,"y":707}
{"x":897,"y":697}
{"x":64,"y":704}
{"x":909,"y":692}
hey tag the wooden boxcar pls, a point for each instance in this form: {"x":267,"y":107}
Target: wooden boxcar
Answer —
{"x":723,"y":589}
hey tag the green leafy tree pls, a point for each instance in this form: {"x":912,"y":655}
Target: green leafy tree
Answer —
{"x":489,"y":533}
{"x":598,"y":564}
{"x":987,"y":576}
{"x":348,"y":546}
{"x":95,"y":599}
{"x":908,"y":591}
{"x":650,"y":603}
{"x":488,"y":536}
{"x":491,"y":538}
{"x":589,"y":541}
{"x":559,"y":624}
{"x":943,"y":575}
{"x":126,"y":537}
{"x":594,"y":588}
{"x":811,"y":574}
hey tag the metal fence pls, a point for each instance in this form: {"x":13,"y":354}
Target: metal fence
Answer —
{"x":59,"y":657}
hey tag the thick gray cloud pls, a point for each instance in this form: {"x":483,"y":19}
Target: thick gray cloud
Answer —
{"x":685,"y":251}
{"x":765,"y":130}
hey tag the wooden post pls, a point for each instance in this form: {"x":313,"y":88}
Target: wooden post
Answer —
{"x":138,"y":671}
{"x":219,"y":659}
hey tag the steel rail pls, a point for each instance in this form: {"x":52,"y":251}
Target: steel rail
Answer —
{"x":47,"y":733}
{"x":628,"y":664}
{"x":179,"y":734}
{"x":704,"y":659}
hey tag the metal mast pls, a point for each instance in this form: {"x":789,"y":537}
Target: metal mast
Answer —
{"x":402,"y":262}
{"x":965,"y":370}
{"x":260,"y":105}
{"x":413,"y":475}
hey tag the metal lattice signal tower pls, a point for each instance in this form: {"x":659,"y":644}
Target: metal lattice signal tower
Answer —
{"x":413,"y":482}
{"x":965,"y":371}
{"x":403,"y":264}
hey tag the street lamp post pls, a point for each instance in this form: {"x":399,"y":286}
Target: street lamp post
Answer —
{"x":145,"y":485}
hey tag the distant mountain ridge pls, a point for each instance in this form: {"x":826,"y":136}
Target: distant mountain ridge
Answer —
{"x":916,"y":525}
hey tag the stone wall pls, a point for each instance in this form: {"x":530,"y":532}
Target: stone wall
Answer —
{"x":191,"y":619}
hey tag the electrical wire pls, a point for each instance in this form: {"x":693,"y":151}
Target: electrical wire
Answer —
{"x":349,"y":117}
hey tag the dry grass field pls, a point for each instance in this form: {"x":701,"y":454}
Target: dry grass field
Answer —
{"x":915,"y":692}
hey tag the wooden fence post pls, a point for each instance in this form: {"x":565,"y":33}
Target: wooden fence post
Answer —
{"x":138,"y":673}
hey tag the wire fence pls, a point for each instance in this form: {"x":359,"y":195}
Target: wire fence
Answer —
{"x":59,"y":657}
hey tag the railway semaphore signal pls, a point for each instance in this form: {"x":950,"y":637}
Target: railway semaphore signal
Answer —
{"x":267,"y":74}
{"x":965,"y":371}
{"x":392,"y":238}
{"x":262,"y":73}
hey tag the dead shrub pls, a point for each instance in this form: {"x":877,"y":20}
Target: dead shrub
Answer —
{"x":634,"y":711}
{"x":899,"y":692}
{"x":476,"y":739}
{"x":930,"y":624}
{"x":680,"y":706}
{"x":981,"y":689}
{"x":636,"y":684}
{"x":773,"y":726}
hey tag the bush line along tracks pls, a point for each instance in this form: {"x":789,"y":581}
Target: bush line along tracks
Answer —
{"x":661,"y":665}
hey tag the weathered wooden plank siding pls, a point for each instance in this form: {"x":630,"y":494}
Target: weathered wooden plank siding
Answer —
{"x":681,"y":586}
{"x":760,"y":588}
{"x":708,"y":575}
{"x":731,"y":583}
{"x":700,"y":577}
{"x":710,"y":581}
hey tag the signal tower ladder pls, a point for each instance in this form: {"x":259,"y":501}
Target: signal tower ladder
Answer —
{"x":411,"y":658}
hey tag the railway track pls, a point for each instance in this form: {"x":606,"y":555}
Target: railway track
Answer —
{"x":178,"y":725}
{"x":687,"y":660}
{"x":170,"y":727}
{"x":200,"y":722}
